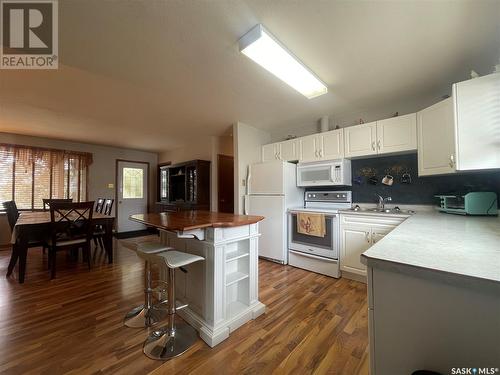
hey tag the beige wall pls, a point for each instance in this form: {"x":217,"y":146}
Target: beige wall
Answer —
{"x":101,"y":172}
{"x":247,"y":150}
{"x":199,"y":148}
{"x":204,"y":148}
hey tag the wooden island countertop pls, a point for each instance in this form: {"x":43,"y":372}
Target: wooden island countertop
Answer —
{"x":189,"y":220}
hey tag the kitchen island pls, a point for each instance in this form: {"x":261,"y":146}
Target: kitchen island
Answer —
{"x":434,"y":295}
{"x":222,"y":291}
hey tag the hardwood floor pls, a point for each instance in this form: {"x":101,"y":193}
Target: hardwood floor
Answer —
{"x":73,"y":324}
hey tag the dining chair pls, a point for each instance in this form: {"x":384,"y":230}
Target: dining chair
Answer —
{"x":47,"y":202}
{"x":99,"y":205}
{"x":12,"y":212}
{"x":70,"y":229}
{"x":108,"y":206}
{"x":99,"y":232}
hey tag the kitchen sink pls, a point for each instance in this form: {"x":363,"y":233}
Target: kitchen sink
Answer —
{"x":395,"y":210}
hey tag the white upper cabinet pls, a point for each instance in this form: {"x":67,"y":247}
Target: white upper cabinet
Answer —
{"x":332,"y":144}
{"x":310,"y":147}
{"x":397,"y":134}
{"x":436,"y":139}
{"x":360,"y":140}
{"x":287,"y":151}
{"x":477,"y":122}
{"x":323,"y":146}
{"x":270,"y":152}
{"x":290,"y":150}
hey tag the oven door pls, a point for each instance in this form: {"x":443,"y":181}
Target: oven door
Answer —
{"x":326,"y":246}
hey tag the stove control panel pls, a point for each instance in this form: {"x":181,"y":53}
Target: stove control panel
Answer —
{"x":328,"y":196}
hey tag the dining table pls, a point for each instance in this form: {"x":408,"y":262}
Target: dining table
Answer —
{"x":35,"y":227}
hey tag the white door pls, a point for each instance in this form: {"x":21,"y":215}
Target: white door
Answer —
{"x":132,"y":187}
{"x":436,"y":139}
{"x":355,"y":241}
{"x":360,"y":140}
{"x":289,"y":150}
{"x":309,"y":147}
{"x":269,"y":152}
{"x":332,"y":145}
{"x":272,"y":240}
{"x":266,"y":178}
{"x":397,"y":134}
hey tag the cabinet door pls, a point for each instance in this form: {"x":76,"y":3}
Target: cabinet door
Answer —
{"x":477,"y":120}
{"x":436,"y":139}
{"x":309,"y":146}
{"x":355,"y":241}
{"x":332,"y":145}
{"x":360,"y":140}
{"x":269,"y":152}
{"x":397,"y":134}
{"x":289,"y":150}
{"x":379,"y":232}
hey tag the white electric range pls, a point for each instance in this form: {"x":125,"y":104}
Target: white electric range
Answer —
{"x":318,"y":254}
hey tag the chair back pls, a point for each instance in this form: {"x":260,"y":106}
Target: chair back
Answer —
{"x":99,"y":205}
{"x":70,"y":221}
{"x":48,"y":202}
{"x":12,"y":213}
{"x":108,"y":206}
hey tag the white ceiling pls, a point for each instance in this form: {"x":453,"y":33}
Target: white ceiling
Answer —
{"x":153,"y":74}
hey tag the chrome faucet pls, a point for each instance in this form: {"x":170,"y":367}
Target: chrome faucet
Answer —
{"x":382,"y":201}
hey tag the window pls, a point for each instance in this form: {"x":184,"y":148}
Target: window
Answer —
{"x":30,"y":174}
{"x":132,"y":183}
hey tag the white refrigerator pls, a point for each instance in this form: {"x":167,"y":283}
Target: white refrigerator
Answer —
{"x":271,"y":191}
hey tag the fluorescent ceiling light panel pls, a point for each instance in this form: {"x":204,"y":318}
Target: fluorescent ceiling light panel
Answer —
{"x":259,"y":45}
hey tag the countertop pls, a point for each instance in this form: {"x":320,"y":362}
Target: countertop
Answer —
{"x":189,"y":220}
{"x":466,"y":246}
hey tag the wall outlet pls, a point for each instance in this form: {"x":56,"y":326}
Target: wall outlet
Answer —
{"x":111,"y":186}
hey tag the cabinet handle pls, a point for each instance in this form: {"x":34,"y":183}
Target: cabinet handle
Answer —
{"x":373,"y":145}
{"x":316,"y":153}
{"x":367,"y":235}
{"x":321,"y":153}
{"x":452,"y":161}
{"x":378,"y":144}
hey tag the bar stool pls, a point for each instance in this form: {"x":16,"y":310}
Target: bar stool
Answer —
{"x":146,"y":315}
{"x":173,"y":339}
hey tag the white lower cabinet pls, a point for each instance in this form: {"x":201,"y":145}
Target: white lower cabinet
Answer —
{"x":356,"y":240}
{"x":358,"y":234}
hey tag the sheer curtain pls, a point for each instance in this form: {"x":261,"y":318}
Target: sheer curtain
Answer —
{"x":30,"y":174}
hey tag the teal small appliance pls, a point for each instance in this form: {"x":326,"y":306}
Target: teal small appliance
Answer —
{"x":474,"y":203}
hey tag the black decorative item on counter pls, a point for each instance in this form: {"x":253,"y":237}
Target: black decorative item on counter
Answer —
{"x":408,"y":187}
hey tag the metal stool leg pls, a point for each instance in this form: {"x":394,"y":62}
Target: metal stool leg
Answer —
{"x":174,"y":339}
{"x":145,"y":315}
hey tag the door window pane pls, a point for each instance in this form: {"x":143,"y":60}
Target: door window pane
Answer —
{"x":132,"y":183}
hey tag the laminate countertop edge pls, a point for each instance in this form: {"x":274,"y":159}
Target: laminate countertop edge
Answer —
{"x":432,"y":244}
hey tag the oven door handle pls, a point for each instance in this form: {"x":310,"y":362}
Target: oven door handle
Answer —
{"x":312,"y":212}
{"x":313,"y":256}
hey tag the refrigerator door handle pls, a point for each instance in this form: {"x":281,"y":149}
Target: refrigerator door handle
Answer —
{"x":246,"y":204}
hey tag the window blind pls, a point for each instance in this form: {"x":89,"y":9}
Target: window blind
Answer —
{"x":30,"y":174}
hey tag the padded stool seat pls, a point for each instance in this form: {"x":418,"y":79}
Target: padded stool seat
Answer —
{"x":176,"y":259}
{"x":151,"y":248}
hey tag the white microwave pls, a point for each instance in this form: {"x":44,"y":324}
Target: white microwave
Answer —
{"x":324,"y":173}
